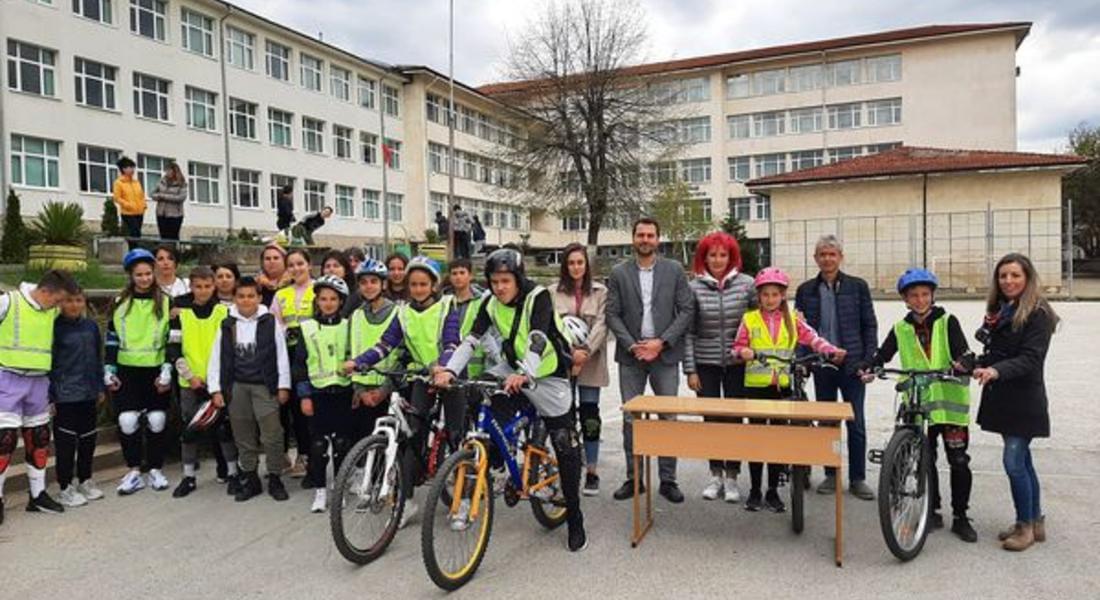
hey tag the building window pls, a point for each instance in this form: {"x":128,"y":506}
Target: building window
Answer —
{"x":696,"y":210}
{"x":278,"y":182}
{"x":845,"y":116}
{"x":750,"y":208}
{"x":574,"y":222}
{"x":877,"y":148}
{"x":35,"y":162}
{"x":436,"y":160}
{"x":242,"y":118}
{"x":201,"y":108}
{"x":681,"y":91}
{"x":244,"y":188}
{"x":661,"y":173}
{"x":395,"y":207}
{"x":391,"y":100}
{"x":765,"y":83}
{"x":805,"y":78}
{"x":770,"y":164}
{"x":738,"y":86}
{"x":341,"y":137}
{"x":884,"y":112}
{"x":279,"y":127}
{"x":240,"y":48}
{"x":741,"y":208}
{"x":739,"y":126}
{"x":151,"y":97}
{"x":739,"y":167}
{"x":366,"y":92}
{"x":278,"y":61}
{"x":31,"y":68}
{"x":149,"y":171}
{"x":345,"y":201}
{"x":340,"y":82}
{"x":694,"y":131}
{"x":313,"y":135}
{"x":807,"y":159}
{"x":761,"y":208}
{"x":368,"y":147}
{"x":95,"y":83}
{"x":436,"y":109}
{"x":311,"y":72}
{"x":148,"y":18}
{"x":806,"y":120}
{"x":845,"y":153}
{"x":371,"y":205}
{"x":769,"y":124}
{"x":96,"y":10}
{"x":884,"y":68}
{"x":695,"y":170}
{"x":202,"y":183}
{"x":845,"y":72}
{"x":314,"y":195}
{"x":393,"y":149}
{"x":198,"y":32}
{"x":97,"y":168}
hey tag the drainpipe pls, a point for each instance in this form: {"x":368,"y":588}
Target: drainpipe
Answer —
{"x":4,"y":158}
{"x":924,"y":219}
{"x":225,"y":119}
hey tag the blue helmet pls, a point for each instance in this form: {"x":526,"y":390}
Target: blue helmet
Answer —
{"x":428,"y":265}
{"x":913,"y":277}
{"x":371,"y":267}
{"x":137,"y":255}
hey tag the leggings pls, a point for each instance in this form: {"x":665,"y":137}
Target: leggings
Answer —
{"x":331,"y":422}
{"x":756,"y":469}
{"x":74,"y":432}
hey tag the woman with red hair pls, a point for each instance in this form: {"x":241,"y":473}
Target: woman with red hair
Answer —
{"x":722,"y":295}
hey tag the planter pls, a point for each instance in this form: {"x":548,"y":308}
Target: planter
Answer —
{"x":110,"y":250}
{"x":42,"y":257}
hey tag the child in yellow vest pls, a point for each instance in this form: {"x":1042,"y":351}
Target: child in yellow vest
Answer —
{"x":291,"y":305}
{"x":773,"y":329}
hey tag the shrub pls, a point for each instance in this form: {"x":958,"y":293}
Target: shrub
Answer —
{"x":60,"y":224}
{"x":109,"y":224}
{"x":13,"y":246}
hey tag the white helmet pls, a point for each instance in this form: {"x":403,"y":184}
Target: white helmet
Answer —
{"x":577,"y":329}
{"x":425,"y":264}
{"x":332,"y":282}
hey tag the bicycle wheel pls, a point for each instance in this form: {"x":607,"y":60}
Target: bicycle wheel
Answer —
{"x":547,"y":503}
{"x":453,"y":540}
{"x":798,"y":497}
{"x":903,"y":499}
{"x":362,"y":519}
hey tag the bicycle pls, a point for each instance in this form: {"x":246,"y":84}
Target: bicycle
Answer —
{"x":904,"y":504}
{"x":368,"y":485}
{"x":518,"y":451}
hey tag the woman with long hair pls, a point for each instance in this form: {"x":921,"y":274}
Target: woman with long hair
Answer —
{"x":170,"y":196}
{"x":395,"y":281}
{"x":166,"y":272}
{"x":577,"y":295}
{"x":1016,"y":334}
{"x":294,"y":304}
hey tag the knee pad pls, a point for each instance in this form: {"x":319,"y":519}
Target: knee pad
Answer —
{"x":8,"y":440}
{"x":564,"y":440}
{"x":36,"y":441}
{"x":958,"y":458}
{"x":156,"y":419}
{"x":590,"y":422}
{"x":128,"y":422}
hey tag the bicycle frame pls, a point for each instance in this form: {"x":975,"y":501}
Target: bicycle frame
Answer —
{"x":393,"y":427}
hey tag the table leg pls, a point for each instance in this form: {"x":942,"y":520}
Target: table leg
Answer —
{"x":839,"y":514}
{"x":637,"y":537}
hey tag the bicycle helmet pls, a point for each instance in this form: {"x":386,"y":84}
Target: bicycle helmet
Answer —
{"x":771,"y":276}
{"x":577,"y":329}
{"x":333,"y":283}
{"x":136,"y":256}
{"x":425,"y":264}
{"x":206,"y":416}
{"x":505,"y":260}
{"x":913,"y":277}
{"x":371,"y":267}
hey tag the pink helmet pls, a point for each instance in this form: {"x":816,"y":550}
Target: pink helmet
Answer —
{"x":771,"y":275}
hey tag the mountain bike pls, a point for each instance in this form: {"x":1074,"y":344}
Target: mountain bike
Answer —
{"x":455,"y":534}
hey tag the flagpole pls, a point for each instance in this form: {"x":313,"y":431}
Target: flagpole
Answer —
{"x":385,"y":163}
{"x":451,"y":137}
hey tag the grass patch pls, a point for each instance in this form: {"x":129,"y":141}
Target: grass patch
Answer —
{"x":95,"y":278}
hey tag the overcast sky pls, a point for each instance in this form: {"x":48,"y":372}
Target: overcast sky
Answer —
{"x":1059,"y":84}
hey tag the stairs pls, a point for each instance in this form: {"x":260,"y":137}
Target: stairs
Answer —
{"x":108,"y":454}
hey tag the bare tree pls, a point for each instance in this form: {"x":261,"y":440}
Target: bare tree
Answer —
{"x":598,"y":124}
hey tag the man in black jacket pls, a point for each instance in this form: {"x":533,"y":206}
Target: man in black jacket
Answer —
{"x":839,"y":307}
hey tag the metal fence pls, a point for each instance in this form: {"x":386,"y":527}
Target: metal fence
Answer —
{"x":961,"y":247}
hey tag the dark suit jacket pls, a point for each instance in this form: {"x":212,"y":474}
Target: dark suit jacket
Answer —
{"x":672,"y":307}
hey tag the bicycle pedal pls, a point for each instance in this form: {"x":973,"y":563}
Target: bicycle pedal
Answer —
{"x":875,"y":456}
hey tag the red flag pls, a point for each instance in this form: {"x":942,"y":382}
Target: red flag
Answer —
{"x":387,"y":155}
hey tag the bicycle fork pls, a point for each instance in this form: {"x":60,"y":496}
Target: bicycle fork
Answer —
{"x":481,"y":481}
{"x":387,"y":427}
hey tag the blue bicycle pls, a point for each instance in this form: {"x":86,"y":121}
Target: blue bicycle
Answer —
{"x":455,"y":534}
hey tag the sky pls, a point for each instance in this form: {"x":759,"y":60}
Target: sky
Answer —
{"x":1058,"y":87}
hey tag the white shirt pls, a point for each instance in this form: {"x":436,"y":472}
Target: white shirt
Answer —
{"x":27,"y":289}
{"x":645,"y":281}
{"x":178,"y":288}
{"x":246,"y":334}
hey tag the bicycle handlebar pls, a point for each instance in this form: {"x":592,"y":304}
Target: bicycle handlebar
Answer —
{"x":815,"y":359}
{"x":944,"y":375}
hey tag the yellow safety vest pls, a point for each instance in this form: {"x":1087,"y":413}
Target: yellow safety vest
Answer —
{"x":197,"y":339}
{"x":327,"y":349}
{"x":142,"y":336}
{"x":26,"y":335}
{"x":364,"y":335}
{"x":292,"y":311}
{"x":760,"y":340}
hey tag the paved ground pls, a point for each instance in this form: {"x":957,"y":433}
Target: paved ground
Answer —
{"x":151,"y":545}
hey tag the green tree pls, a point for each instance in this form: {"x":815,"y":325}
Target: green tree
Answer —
{"x":109,"y":224}
{"x":13,"y":247}
{"x":1083,"y":187}
{"x":681,"y":216}
{"x":750,"y":257}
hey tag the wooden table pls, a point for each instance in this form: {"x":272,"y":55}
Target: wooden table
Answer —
{"x":794,"y":444}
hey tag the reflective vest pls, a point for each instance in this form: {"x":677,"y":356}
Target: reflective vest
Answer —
{"x":142,"y":336}
{"x":503,"y":317}
{"x":476,"y":366}
{"x":26,"y":335}
{"x":948,"y":403}
{"x":197,"y":338}
{"x":424,"y":331}
{"x":293,"y":312}
{"x":364,"y":335}
{"x":760,"y":340}
{"x":327,"y":349}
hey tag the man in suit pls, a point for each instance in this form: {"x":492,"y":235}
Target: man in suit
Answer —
{"x":649,"y":309}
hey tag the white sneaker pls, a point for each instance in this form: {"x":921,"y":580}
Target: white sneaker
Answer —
{"x":71,"y":498}
{"x":89,"y":490}
{"x":461,"y":519}
{"x":410,"y":512}
{"x":131,"y":482}
{"x":733,"y":495}
{"x":157,"y":480}
{"x":713,"y":489}
{"x":320,"y":500}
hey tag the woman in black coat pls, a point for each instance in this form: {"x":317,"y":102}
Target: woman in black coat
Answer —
{"x":1018,"y":325}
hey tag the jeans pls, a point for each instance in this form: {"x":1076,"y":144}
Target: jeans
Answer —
{"x":588,"y":399}
{"x":827,"y":383}
{"x":133,"y":223}
{"x":1022,"y":478}
{"x":716,"y":380}
{"x":665,"y":381}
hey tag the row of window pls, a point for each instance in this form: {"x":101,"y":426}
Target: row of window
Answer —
{"x":492,"y":214}
{"x":851,"y":115}
{"x":806,"y":78}
{"x":695,"y":210}
{"x":744,"y":168}
{"x":471,"y":121}
{"x":695,"y":130}
{"x":468,"y":165}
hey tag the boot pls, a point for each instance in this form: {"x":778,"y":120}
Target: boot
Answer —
{"x":1007,"y":533}
{"x":961,"y":527}
{"x":1021,"y":540}
{"x":275,"y":488}
{"x":1039,"y":529}
{"x":578,"y":539}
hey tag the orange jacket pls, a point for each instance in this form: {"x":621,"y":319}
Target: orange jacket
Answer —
{"x":129,"y":196}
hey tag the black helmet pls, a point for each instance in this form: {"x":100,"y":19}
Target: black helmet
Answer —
{"x":505,"y":260}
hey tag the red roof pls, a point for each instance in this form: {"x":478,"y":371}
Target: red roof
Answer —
{"x":898,"y":35}
{"x":913,"y":160}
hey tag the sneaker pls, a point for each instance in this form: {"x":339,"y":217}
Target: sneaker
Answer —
{"x":963,"y":530}
{"x":935,"y":521}
{"x":233,"y":486}
{"x":714,"y":488}
{"x":250,"y":487}
{"x":43,"y":503}
{"x":861,"y":490}
{"x":626,"y":490}
{"x":774,"y":502}
{"x":591,"y":484}
{"x":671,"y":492}
{"x":320,"y":501}
{"x":461,"y":519}
{"x":733,"y":495}
{"x":89,"y":490}
{"x":157,"y":480}
{"x":71,"y":497}
{"x":410,"y":512}
{"x":222,"y":473}
{"x":578,"y":539}
{"x":131,"y":482}
{"x":298,"y":469}
{"x":276,"y":489}
{"x":186,"y":486}
{"x":755,"y":501}
{"x":828,"y":486}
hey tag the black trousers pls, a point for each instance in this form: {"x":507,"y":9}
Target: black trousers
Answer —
{"x":331,"y":421}
{"x":422,"y":402}
{"x":133,"y":223}
{"x":756,"y":470}
{"x":295,"y":424}
{"x":956,"y":440}
{"x":169,"y":227}
{"x":74,"y":434}
{"x":722,"y":382}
